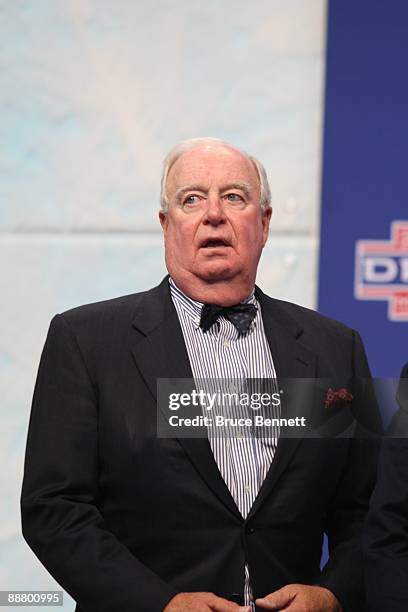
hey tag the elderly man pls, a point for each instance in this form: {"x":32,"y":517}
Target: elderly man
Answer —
{"x":127,"y":521}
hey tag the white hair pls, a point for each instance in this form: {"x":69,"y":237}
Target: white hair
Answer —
{"x":193,"y":143}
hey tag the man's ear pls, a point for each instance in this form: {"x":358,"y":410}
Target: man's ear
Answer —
{"x":163,"y":220}
{"x":266,"y":219}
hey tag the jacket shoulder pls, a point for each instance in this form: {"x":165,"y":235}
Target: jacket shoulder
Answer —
{"x":121,"y":308}
{"x":104,"y":308}
{"x":312,"y":320}
{"x":335,"y":343}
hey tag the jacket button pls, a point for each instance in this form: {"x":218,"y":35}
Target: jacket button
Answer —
{"x":250,"y":530}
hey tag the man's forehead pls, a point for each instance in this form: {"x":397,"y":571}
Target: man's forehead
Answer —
{"x":220,"y":161}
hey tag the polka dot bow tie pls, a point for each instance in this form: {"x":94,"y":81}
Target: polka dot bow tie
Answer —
{"x":241,"y":315}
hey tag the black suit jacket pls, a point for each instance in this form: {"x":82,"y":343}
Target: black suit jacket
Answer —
{"x":386,"y":529}
{"x":124,"y":520}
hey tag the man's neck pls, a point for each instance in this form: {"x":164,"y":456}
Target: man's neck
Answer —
{"x":223,"y":293}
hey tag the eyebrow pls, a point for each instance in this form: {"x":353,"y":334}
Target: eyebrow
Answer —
{"x":245,"y":187}
{"x":193,"y":187}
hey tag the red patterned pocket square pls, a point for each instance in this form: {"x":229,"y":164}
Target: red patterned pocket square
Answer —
{"x":336,"y":397}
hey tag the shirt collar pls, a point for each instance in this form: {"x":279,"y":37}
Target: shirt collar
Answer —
{"x":190,"y":306}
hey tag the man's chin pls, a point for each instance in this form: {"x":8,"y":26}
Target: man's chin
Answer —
{"x":216,"y":272}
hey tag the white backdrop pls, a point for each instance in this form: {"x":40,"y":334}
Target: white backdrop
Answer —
{"x":93,"y":93}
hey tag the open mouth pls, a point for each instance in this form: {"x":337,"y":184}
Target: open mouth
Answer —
{"x":212,"y":243}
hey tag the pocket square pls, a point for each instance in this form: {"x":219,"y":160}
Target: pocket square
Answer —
{"x":335,"y":397}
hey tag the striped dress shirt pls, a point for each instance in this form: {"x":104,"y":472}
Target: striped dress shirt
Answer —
{"x":223,"y":354}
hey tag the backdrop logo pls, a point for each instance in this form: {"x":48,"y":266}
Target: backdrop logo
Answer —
{"x":381,"y":271}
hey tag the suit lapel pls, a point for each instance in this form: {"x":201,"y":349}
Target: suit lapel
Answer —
{"x":159,"y":351}
{"x":158,"y":346}
{"x":292,"y":360}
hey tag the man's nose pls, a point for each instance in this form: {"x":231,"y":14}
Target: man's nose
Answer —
{"x":214,"y":213}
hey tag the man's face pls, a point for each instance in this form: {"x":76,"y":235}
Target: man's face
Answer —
{"x":214,"y":228}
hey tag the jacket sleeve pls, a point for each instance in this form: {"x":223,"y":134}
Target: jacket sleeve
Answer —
{"x":59,"y":501}
{"x":343,"y":573}
{"x":386,"y":530}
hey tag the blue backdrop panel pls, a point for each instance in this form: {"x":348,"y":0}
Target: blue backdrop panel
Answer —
{"x":363,"y":278}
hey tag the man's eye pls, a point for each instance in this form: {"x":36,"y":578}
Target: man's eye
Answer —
{"x":191,"y":199}
{"x":233,"y":197}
